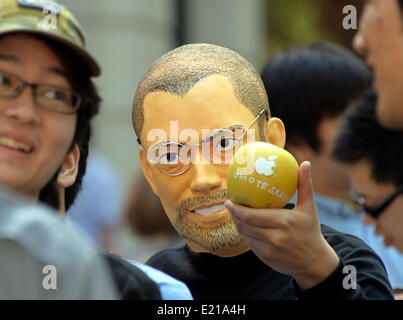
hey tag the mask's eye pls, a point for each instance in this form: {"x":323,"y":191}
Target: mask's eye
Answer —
{"x":169,"y":158}
{"x":168,"y":154}
{"x":225,"y":144}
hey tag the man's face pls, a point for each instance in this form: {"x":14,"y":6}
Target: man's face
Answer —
{"x":46,"y":135}
{"x":210,"y":104}
{"x":380,"y":41}
{"x":323,"y":164}
{"x":390,"y":222}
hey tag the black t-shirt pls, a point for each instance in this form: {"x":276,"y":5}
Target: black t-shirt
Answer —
{"x":131,"y":282}
{"x":247,"y":277}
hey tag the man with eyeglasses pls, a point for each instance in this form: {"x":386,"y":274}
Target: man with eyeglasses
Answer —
{"x":47,"y":101}
{"x":377,"y":177}
{"x":38,"y":159}
{"x":192,"y":110}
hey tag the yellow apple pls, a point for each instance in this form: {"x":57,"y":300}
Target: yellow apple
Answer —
{"x":262,"y":175}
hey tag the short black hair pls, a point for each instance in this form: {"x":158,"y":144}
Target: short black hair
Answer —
{"x":79,"y":76}
{"x":307,"y":83}
{"x":401,"y":4}
{"x":178,"y":70}
{"x":361,"y":137}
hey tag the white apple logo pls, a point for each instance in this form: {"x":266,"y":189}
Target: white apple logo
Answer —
{"x":264,"y":166}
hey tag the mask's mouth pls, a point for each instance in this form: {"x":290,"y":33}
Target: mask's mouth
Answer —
{"x":209,"y":210}
{"x":15,"y":145}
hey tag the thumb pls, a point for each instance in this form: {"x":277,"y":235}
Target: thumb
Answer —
{"x":305,"y":188}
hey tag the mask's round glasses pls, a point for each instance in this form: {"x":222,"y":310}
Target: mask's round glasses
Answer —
{"x":174,"y":159}
{"x":52,"y":98}
{"x":374,"y":211}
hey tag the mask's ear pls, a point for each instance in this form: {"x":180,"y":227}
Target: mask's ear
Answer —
{"x":68,"y":171}
{"x":146,"y":168}
{"x":274,"y":132}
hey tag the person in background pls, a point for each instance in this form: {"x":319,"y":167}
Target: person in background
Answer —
{"x":309,"y":89}
{"x":98,"y":207}
{"x":148,"y":222}
{"x":380,"y":41}
{"x":376,"y":158}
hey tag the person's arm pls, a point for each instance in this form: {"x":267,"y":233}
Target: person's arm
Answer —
{"x":360,"y":274}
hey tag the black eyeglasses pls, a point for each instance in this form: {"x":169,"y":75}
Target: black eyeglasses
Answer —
{"x":52,"y":98}
{"x":374,"y":211}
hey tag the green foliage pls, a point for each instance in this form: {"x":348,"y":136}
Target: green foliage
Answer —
{"x":292,"y":23}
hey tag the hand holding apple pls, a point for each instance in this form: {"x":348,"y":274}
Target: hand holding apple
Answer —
{"x":289,"y":241}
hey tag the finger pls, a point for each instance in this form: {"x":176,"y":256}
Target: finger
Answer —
{"x":264,"y":218}
{"x":305,"y":188}
{"x":261,"y":248}
{"x":251,"y":231}
{"x":275,"y":238}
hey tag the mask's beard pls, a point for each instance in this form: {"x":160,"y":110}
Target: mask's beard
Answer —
{"x":213,"y":238}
